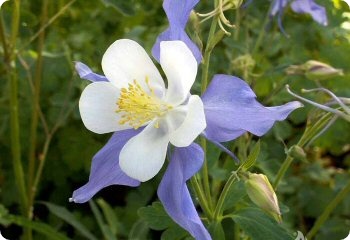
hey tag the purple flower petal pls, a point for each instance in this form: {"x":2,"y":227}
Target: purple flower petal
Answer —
{"x":86,"y":73}
{"x":231,"y":109}
{"x":173,"y":192}
{"x":317,"y":12}
{"x":178,"y":12}
{"x":105,"y":170}
{"x":278,"y":6}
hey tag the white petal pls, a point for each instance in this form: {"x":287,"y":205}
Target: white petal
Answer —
{"x":97,"y":106}
{"x":180,"y":67}
{"x":143,"y":155}
{"x":125,"y":61}
{"x":192,"y":126}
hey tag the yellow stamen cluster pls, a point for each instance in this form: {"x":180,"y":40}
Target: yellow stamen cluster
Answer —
{"x":139,"y":107}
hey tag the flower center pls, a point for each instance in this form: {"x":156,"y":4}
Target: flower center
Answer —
{"x":139,"y":107}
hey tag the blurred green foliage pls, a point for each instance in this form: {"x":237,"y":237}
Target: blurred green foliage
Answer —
{"x":83,"y":31}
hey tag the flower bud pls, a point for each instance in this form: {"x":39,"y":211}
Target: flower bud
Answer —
{"x":297,"y":152}
{"x":262,"y":194}
{"x":314,"y":70}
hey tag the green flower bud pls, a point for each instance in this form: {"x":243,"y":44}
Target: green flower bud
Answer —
{"x":319,"y":71}
{"x":314,"y":70}
{"x":297,"y":153}
{"x":262,"y":194}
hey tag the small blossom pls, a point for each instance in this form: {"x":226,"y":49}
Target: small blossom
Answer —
{"x":262,"y":194}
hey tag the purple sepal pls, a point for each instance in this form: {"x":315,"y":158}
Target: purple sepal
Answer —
{"x":231,"y":109}
{"x":86,"y":73}
{"x":317,"y":12}
{"x":105,"y":170}
{"x":174,"y":194}
{"x":278,"y":6}
{"x":178,"y":12}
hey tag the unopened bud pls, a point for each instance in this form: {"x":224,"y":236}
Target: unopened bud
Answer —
{"x":314,"y":70}
{"x":262,"y":194}
{"x":297,"y":153}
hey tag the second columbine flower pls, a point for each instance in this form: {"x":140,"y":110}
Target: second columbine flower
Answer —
{"x":136,"y":97}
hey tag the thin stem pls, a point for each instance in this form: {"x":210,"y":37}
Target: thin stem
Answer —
{"x":41,"y":165}
{"x":282,"y":171}
{"x":323,"y":107}
{"x":51,"y":20}
{"x":262,"y":31}
{"x":219,"y":207}
{"x":335,"y":98}
{"x":329,"y":124}
{"x":201,"y":198}
{"x":237,"y":24}
{"x":14,"y":109}
{"x":328,"y":210}
{"x":204,"y":82}
{"x":3,"y":39}
{"x":308,"y":134}
{"x":36,"y":107}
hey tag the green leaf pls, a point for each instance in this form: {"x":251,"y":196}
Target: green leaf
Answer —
{"x":68,"y":217}
{"x":139,"y":230}
{"x":155,"y":216}
{"x":258,"y":225}
{"x":122,"y":6}
{"x":236,"y":193}
{"x":253,"y":156}
{"x":174,"y":233}
{"x":106,"y":231}
{"x":109,"y":215}
{"x":43,"y":228}
{"x":216,"y":230}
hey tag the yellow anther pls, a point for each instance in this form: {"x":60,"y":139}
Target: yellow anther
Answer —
{"x":140,"y":106}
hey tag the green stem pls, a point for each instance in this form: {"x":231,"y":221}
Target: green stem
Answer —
{"x":41,"y":165}
{"x":14,"y":109}
{"x":3,"y":40}
{"x":328,"y":210}
{"x":237,"y":24}
{"x":201,"y":198}
{"x":282,"y":171}
{"x":308,"y":134}
{"x":218,"y":210}
{"x":262,"y":31}
{"x":204,"y":83}
{"x":51,"y":20}
{"x":35,"y":110}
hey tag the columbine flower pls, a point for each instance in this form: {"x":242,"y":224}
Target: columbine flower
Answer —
{"x":133,"y":101}
{"x":317,"y":12}
{"x":178,"y":12}
{"x":135,"y":97}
